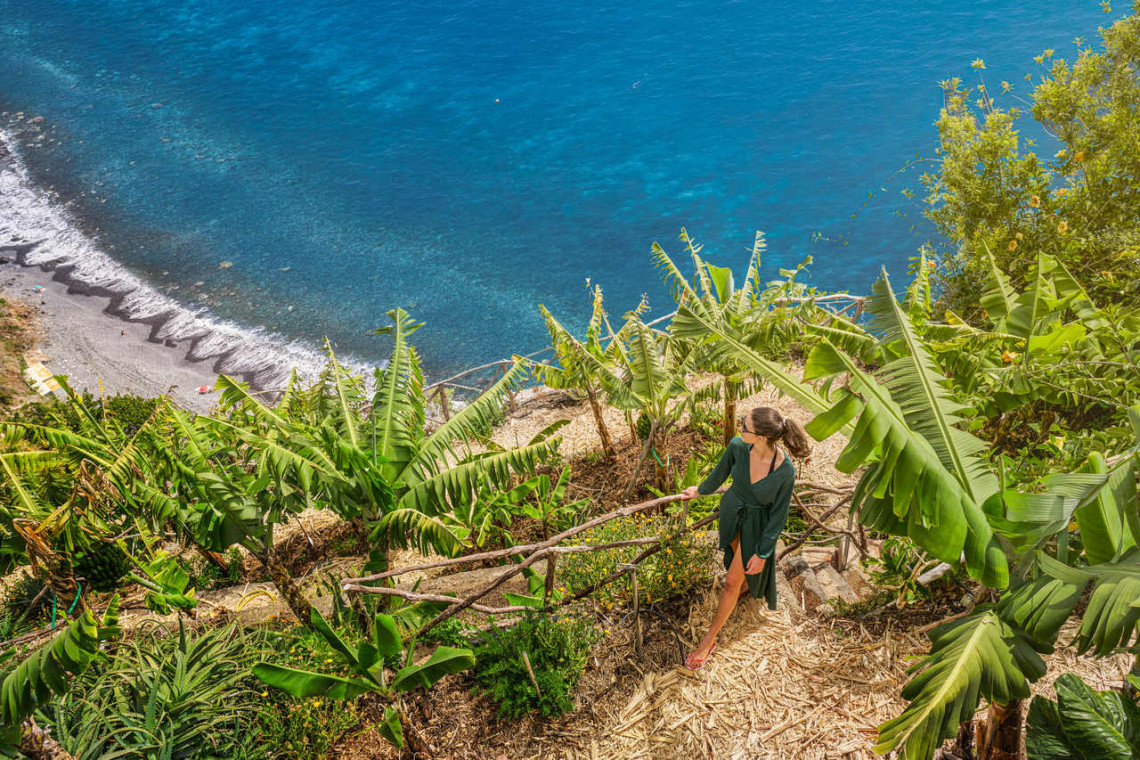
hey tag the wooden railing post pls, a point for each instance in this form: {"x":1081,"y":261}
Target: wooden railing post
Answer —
{"x":632,"y":570}
{"x":443,"y":402}
{"x":551,"y":565}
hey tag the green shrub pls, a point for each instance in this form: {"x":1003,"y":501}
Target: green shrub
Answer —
{"x":304,"y":728}
{"x":557,"y":649}
{"x":670,"y":572}
{"x":128,"y":410}
{"x":452,"y":632}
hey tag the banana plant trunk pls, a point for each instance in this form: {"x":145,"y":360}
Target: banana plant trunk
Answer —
{"x":729,"y":412}
{"x":999,"y":735}
{"x":281,"y":578}
{"x":603,"y":431}
{"x":214,"y":558}
{"x":37,"y":744}
{"x":661,"y":478}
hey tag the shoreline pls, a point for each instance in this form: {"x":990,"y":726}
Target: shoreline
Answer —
{"x":101,"y":323}
{"x":100,"y":352}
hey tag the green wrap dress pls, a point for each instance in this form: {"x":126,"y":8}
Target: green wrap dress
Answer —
{"x":757,"y":512}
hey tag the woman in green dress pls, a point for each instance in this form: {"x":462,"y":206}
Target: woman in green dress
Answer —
{"x":753,"y":511}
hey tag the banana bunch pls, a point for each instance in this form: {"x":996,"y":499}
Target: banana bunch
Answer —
{"x":102,"y":565}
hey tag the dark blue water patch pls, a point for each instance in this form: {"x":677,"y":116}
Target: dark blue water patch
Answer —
{"x":470,"y":160}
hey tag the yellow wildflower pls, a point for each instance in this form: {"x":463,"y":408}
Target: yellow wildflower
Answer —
{"x":1009,"y":356}
{"x":1013,"y":245}
{"x":978,"y":64}
{"x":1058,"y":441}
{"x":1079,"y":155}
{"x":265,"y":693}
{"x":1034,"y":201}
{"x":1060,"y":154}
{"x":1063,"y":227}
{"x":1061,"y":192}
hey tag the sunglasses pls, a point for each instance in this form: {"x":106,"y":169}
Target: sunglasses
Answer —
{"x":744,"y":429}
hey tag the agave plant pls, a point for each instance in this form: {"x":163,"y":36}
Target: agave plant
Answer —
{"x":164,"y":695}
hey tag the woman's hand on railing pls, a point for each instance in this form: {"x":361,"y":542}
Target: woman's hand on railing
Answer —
{"x":690,"y":492}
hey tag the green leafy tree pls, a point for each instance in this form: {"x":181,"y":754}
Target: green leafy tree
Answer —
{"x":992,"y":188}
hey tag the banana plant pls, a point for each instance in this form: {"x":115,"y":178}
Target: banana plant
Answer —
{"x":1049,"y":343}
{"x":577,"y":360}
{"x":927,"y":478}
{"x":368,"y":661}
{"x":721,"y":299}
{"x":434,"y":473}
{"x":653,"y":380}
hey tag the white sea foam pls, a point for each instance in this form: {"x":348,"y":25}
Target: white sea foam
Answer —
{"x":44,"y":234}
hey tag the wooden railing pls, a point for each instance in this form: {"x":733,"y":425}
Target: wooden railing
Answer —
{"x":551,"y":548}
{"x":440,"y":392}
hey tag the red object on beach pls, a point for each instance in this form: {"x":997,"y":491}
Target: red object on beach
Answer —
{"x":203,"y":389}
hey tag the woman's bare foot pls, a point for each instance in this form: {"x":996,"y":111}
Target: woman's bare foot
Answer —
{"x":700,"y":656}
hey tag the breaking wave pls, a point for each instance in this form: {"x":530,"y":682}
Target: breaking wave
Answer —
{"x":40,"y":232}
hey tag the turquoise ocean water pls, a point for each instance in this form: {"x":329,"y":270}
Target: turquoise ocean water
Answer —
{"x":467,"y":160}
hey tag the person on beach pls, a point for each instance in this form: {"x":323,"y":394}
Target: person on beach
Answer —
{"x":753,"y":511}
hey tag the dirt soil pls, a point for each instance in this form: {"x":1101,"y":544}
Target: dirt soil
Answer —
{"x":18,"y":331}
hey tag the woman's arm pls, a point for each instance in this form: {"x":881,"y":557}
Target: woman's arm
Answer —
{"x":720,"y":473}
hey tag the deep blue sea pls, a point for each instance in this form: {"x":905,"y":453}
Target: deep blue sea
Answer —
{"x":467,"y":160}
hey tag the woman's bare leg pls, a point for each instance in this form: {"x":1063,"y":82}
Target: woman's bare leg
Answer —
{"x":728,"y":598}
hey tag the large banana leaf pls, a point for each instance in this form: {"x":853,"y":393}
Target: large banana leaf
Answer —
{"x":908,"y":489}
{"x":443,"y":661}
{"x":468,"y":422}
{"x":1107,"y":522}
{"x":348,"y":395}
{"x":977,"y":657}
{"x":1113,"y":610}
{"x":50,"y":668}
{"x":1082,"y":724}
{"x":459,"y":482}
{"x":304,"y":683}
{"x":397,"y":416}
{"x":998,"y":300}
{"x":692,"y":323}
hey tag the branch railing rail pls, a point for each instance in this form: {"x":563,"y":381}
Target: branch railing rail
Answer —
{"x":552,"y":548}
{"x":437,"y":392}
